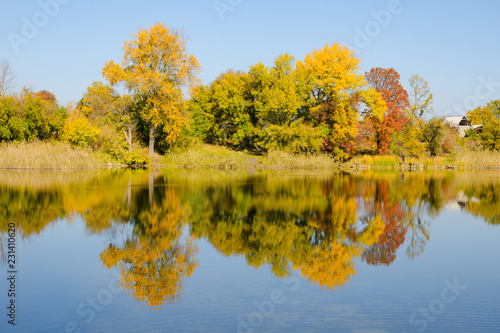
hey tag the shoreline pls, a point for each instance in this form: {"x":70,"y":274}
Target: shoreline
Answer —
{"x":60,"y":156}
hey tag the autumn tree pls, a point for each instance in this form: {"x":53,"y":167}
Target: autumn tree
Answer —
{"x":278,"y":95}
{"x":490,"y":137}
{"x":433,"y":133}
{"x":47,"y":96}
{"x":480,"y":115}
{"x":110,"y":111}
{"x":155,"y":69}
{"x":278,"y":92}
{"x":386,"y":82}
{"x":420,"y":98}
{"x":336,"y":91}
{"x":221,"y":112}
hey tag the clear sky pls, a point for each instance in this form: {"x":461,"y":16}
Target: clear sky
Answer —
{"x":62,"y":45}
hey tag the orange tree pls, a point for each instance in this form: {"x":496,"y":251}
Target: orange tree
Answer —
{"x":386,"y":82}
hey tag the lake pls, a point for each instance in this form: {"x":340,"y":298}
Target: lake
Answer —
{"x":249,"y":251}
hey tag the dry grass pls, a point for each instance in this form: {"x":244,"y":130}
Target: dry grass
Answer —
{"x":284,"y":160}
{"x":383,"y":161}
{"x":48,"y":155}
{"x":209,"y":157}
{"x":216,"y":157}
{"x":468,"y":158}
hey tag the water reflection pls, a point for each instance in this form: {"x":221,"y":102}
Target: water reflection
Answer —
{"x":318,"y":224}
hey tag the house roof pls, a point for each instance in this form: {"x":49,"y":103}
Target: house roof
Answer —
{"x":455,"y":120}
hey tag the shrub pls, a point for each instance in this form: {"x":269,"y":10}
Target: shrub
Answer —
{"x":295,"y":138}
{"x":113,"y":143}
{"x":137,"y":158}
{"x":78,"y":131}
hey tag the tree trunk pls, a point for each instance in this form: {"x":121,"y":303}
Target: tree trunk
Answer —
{"x":128,"y":137}
{"x":151,"y":141}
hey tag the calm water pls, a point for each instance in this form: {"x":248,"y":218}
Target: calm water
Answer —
{"x":179,"y":251}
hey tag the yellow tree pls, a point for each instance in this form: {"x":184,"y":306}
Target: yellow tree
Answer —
{"x":337,"y":90}
{"x":408,"y":142}
{"x":154,"y":261}
{"x":156,"y":68}
{"x":106,"y":108}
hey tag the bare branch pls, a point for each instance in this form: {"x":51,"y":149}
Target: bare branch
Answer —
{"x":7,"y":77}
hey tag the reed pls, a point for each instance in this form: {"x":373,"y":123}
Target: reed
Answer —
{"x":49,"y":155}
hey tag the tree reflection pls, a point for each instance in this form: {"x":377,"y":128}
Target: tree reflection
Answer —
{"x":392,"y":213}
{"x":318,"y":224}
{"x":154,"y":262}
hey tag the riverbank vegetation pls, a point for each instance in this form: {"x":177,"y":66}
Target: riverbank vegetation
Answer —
{"x":314,"y":112}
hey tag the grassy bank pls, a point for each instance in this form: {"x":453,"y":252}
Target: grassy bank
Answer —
{"x":463,"y":159}
{"x":49,"y":155}
{"x":216,"y":157}
{"x":57,"y":155}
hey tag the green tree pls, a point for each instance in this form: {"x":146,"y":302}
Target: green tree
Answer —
{"x":433,"y":134}
{"x":278,"y":93}
{"x":222,"y":111}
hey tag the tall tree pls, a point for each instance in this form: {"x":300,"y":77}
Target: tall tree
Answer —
{"x":409,"y":143}
{"x":336,"y":91}
{"x":420,"y":96}
{"x":156,"y":68}
{"x":386,"y":82}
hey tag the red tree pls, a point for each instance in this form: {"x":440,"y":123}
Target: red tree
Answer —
{"x":47,"y":96}
{"x":393,"y":214}
{"x":386,"y":82}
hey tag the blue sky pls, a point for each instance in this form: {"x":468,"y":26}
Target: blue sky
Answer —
{"x":454,"y":45}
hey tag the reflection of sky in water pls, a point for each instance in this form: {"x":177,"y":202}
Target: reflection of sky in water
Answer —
{"x":60,"y":269}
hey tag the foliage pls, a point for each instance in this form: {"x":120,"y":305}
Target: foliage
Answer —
{"x":386,"y":82}
{"x":471,"y":134}
{"x":155,"y":68}
{"x":137,"y":158}
{"x":295,"y":138}
{"x":278,"y":93}
{"x":111,"y":142}
{"x":480,"y":115}
{"x":323,"y":92}
{"x":78,"y":131}
{"x":433,"y":134}
{"x":223,"y":114}
{"x":490,"y":137}
{"x":451,"y":138}
{"x":26,"y":117}
{"x":8,"y":119}
{"x":420,"y":97}
{"x":408,"y":142}
{"x":336,"y":89}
